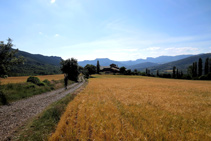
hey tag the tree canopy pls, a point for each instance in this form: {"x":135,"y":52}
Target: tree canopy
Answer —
{"x":98,"y":67}
{"x":8,"y":57}
{"x":70,"y":68}
{"x":91,"y":69}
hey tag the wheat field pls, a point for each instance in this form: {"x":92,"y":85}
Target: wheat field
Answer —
{"x":138,"y":108}
{"x":21,"y":79}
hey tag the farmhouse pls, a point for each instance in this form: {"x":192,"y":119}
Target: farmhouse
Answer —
{"x":113,"y":68}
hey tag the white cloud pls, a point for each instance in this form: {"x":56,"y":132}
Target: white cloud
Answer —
{"x":53,"y":1}
{"x":180,"y":50}
{"x":56,"y":35}
{"x":153,"y":48}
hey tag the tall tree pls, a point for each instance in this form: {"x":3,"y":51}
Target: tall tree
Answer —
{"x":129,"y":72}
{"x":177,"y":73}
{"x":206,"y":66}
{"x":158,"y":73}
{"x":209,"y":66}
{"x":147,"y":72}
{"x":190,"y":70}
{"x":181,"y":74}
{"x":91,"y":69}
{"x":122,"y":70}
{"x":98,"y":67}
{"x":7,"y":57}
{"x":174,"y":72}
{"x":135,"y":71}
{"x":194,"y":73}
{"x":200,"y":67}
{"x":70,"y":68}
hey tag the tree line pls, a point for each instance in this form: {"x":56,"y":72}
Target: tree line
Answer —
{"x":197,"y":71}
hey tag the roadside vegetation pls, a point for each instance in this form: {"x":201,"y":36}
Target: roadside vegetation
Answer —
{"x":42,"y":126}
{"x":16,"y":91}
{"x":117,"y":107}
{"x":21,"y":79}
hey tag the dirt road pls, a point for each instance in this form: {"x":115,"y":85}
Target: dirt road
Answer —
{"x":14,"y":115}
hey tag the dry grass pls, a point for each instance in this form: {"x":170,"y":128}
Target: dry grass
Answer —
{"x":21,"y":79}
{"x":138,"y":108}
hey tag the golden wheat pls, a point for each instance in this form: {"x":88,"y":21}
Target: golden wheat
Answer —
{"x":21,"y":79}
{"x":138,"y":108}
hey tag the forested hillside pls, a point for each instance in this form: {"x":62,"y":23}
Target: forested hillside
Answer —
{"x":182,"y":64}
{"x":36,"y":64}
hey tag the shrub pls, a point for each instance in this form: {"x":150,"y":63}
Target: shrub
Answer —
{"x":3,"y":98}
{"x":41,"y":84}
{"x":46,"y":81}
{"x":30,"y":86}
{"x":34,"y":80}
{"x":205,"y":77}
{"x":4,"y":76}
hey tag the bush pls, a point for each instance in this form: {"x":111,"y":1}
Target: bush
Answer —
{"x":30,"y":86}
{"x":46,"y":81}
{"x":3,"y":98}
{"x":4,"y":76}
{"x":34,"y":80}
{"x":205,"y":77}
{"x":41,"y":84}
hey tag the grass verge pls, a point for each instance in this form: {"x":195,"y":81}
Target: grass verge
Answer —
{"x":41,"y":127}
{"x":13,"y":92}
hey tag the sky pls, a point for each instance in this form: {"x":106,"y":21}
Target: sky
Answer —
{"x":116,"y":29}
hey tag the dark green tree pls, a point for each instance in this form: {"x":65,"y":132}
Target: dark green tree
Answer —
{"x":98,"y":67}
{"x":181,"y":74}
{"x":90,"y":68}
{"x":195,"y":69}
{"x":158,"y":73}
{"x":135,"y":72}
{"x":177,"y":74}
{"x":80,"y":68}
{"x":206,"y":66}
{"x":200,"y":67}
{"x":70,"y":68}
{"x":190,"y":70}
{"x":147,"y":72}
{"x":86,"y":73}
{"x":129,"y":72}
{"x":209,"y":66}
{"x":7,"y":60}
{"x":174,"y":72}
{"x":8,"y":57}
{"x":122,"y":70}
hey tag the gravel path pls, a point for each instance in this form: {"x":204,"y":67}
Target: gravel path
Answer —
{"x":18,"y":112}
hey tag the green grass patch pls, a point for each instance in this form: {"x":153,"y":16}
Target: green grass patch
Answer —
{"x":14,"y":92}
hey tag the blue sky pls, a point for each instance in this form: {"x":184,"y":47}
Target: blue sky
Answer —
{"x":115,"y":29}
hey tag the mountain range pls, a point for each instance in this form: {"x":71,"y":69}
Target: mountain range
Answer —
{"x":157,"y":60}
{"x":162,"y":63}
{"x":181,"y":64}
{"x":37,"y":64}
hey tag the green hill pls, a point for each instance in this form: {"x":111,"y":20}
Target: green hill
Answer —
{"x":182,"y":64}
{"x":36,"y":64}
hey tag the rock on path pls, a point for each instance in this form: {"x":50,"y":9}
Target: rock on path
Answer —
{"x":14,"y":115}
